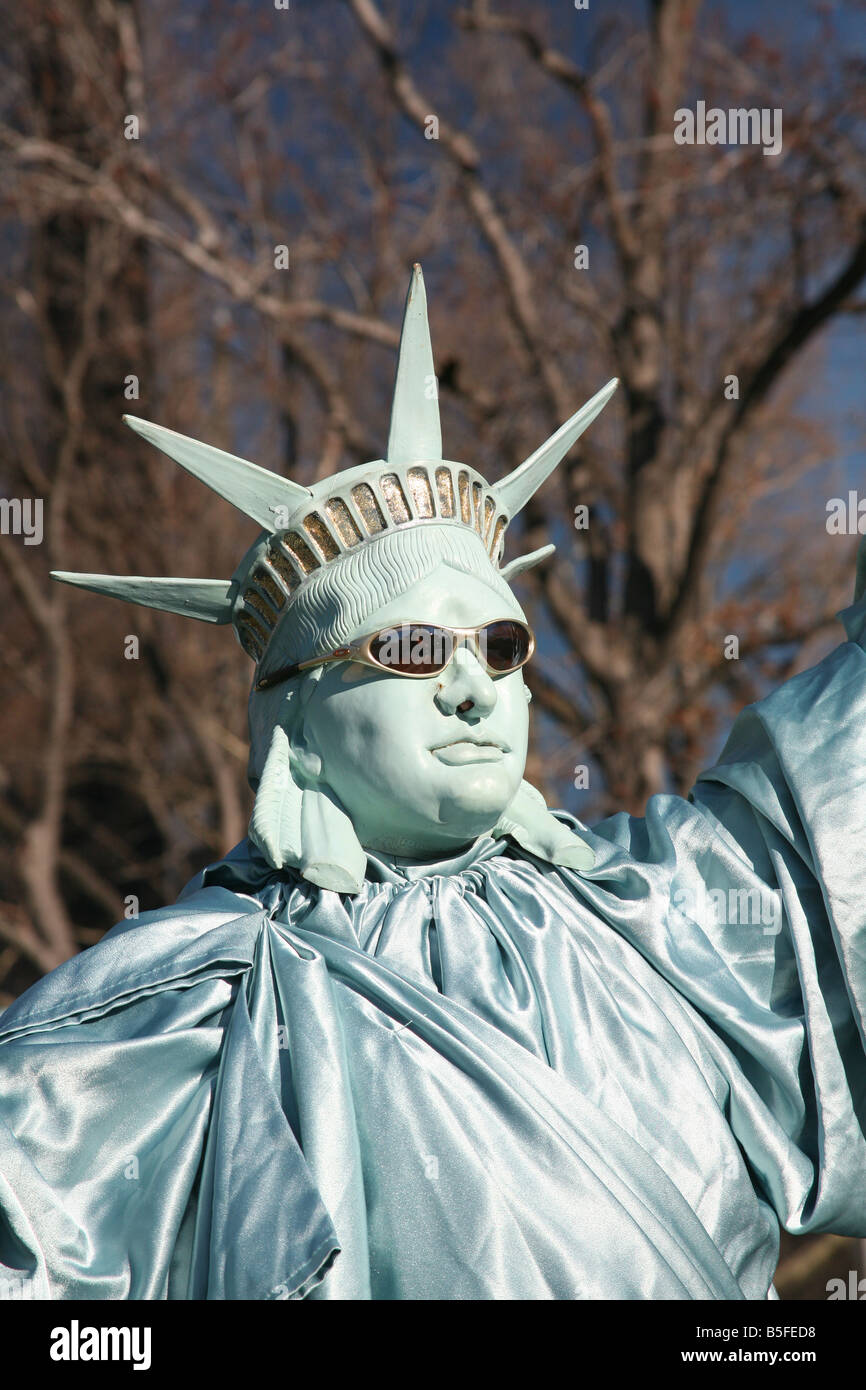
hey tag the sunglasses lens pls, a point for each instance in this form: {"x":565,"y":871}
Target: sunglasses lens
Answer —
{"x":412,"y":649}
{"x":505,"y":645}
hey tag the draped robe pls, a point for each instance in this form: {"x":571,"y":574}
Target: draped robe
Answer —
{"x":485,"y":1078}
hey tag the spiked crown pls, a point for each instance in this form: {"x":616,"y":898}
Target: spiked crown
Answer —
{"x":306,"y":529}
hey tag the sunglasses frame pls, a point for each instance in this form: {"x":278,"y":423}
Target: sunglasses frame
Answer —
{"x":360,"y":651}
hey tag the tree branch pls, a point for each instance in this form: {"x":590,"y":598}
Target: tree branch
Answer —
{"x":464,"y":154}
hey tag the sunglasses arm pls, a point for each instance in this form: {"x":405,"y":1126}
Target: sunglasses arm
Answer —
{"x":286,"y":673}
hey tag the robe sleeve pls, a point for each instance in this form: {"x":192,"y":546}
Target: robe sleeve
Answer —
{"x":102,"y":1127}
{"x":750,"y":898}
{"x":144,"y":1153}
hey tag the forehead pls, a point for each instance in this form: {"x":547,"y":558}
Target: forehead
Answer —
{"x":448,"y":596}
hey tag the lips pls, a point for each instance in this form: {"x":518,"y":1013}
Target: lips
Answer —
{"x":469,"y":749}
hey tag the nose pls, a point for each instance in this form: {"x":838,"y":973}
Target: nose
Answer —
{"x":465,"y":687}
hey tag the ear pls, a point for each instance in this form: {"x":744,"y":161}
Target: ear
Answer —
{"x":305,"y":755}
{"x":297,"y":823}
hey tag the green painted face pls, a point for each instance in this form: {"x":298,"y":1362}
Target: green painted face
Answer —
{"x":423,"y":766}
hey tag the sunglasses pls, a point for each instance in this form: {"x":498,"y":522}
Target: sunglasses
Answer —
{"x":421,"y":650}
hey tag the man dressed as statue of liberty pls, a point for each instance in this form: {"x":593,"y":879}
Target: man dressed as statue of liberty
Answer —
{"x":418,"y":1037}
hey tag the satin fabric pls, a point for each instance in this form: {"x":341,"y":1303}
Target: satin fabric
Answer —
{"x":486,"y":1078}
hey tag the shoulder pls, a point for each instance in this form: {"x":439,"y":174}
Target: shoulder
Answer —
{"x":210,"y":931}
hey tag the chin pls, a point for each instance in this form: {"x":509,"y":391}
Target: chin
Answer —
{"x":477,"y":805}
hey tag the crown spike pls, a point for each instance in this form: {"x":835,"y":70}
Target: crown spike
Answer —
{"x":525,"y":562}
{"x":415,"y":432}
{"x":515,"y":491}
{"x":209,"y":600}
{"x":259,"y":493}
